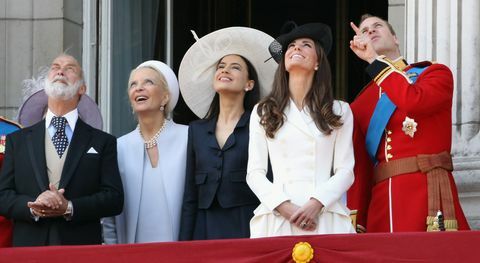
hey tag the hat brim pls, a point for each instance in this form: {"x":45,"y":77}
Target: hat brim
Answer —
{"x":35,"y":106}
{"x":317,"y":31}
{"x":199,"y":63}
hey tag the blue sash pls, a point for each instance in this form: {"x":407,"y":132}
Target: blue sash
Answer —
{"x":381,"y":115}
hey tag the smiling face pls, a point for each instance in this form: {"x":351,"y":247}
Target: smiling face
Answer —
{"x":383,"y":40}
{"x":232,"y":75}
{"x":147,"y":90}
{"x":301,"y":55}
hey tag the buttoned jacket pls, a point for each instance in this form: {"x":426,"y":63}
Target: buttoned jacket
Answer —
{"x":300,"y":152}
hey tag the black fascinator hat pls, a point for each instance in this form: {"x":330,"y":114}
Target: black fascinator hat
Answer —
{"x":290,"y":31}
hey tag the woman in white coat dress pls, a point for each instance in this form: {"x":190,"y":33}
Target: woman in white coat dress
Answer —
{"x":308,"y":137}
{"x":151,"y":160}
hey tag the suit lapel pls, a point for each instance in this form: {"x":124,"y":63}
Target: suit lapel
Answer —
{"x":295,"y":118}
{"x":211,"y":139}
{"x":36,"y":152}
{"x":242,"y":122}
{"x":78,"y":146}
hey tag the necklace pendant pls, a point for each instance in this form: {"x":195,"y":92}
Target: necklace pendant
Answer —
{"x":152,"y":142}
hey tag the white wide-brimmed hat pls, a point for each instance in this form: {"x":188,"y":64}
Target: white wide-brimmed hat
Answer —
{"x":198,"y":66}
{"x":169,"y":75}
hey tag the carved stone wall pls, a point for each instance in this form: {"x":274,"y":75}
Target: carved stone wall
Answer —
{"x":32,"y":34}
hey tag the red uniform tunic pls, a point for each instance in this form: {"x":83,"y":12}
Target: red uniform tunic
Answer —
{"x":400,"y":203}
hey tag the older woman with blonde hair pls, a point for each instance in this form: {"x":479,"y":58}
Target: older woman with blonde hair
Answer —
{"x":151,"y":160}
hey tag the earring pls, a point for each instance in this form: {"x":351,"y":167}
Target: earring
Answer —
{"x":316,"y":68}
{"x":162,"y":108}
{"x":246,"y":89}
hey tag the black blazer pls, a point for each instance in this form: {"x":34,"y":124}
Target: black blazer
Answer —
{"x":91,"y":181}
{"x":214,"y":173}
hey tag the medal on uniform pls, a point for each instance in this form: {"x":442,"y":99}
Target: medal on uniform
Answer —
{"x":409,"y":126}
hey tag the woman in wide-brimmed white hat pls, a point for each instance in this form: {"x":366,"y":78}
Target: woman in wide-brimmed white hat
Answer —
{"x":308,"y":137}
{"x":151,"y":160}
{"x":222,"y":77}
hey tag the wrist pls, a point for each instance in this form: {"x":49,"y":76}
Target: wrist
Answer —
{"x":34,"y":215}
{"x":68,"y":211}
{"x":371,"y":59}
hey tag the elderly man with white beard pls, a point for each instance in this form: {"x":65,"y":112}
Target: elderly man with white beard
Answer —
{"x":60,"y":176}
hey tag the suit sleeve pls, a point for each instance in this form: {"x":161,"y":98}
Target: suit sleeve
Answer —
{"x":257,"y":166}
{"x":190,"y":195}
{"x":358,"y":196}
{"x":12,"y":204}
{"x":343,"y":162}
{"x":432,"y":91}
{"x":108,"y":200}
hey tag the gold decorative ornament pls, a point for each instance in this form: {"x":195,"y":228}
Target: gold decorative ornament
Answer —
{"x":409,"y":126}
{"x":302,"y":252}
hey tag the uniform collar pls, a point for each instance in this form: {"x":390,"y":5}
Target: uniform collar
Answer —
{"x":399,"y":63}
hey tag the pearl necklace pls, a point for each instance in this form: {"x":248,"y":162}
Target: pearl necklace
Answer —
{"x":153,"y":141}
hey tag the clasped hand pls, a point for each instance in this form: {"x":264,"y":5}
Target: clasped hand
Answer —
{"x":50,"y":203}
{"x":304,"y":217}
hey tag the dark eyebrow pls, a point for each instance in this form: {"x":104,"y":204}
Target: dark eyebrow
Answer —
{"x":234,"y":63}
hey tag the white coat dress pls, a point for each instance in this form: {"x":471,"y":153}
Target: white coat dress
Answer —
{"x":306,"y":164}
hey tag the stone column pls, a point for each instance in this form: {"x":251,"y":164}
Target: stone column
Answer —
{"x":32,"y":34}
{"x":448,"y":32}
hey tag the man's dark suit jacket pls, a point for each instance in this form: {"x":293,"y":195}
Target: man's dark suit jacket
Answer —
{"x":91,"y":181}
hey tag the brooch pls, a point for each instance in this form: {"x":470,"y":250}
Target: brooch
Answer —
{"x":409,"y":126}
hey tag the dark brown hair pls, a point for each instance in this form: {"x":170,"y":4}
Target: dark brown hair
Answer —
{"x":319,"y":98}
{"x":365,"y":16}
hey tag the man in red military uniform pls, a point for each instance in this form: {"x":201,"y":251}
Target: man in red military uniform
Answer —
{"x":402,"y":139}
{"x":6,"y":127}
